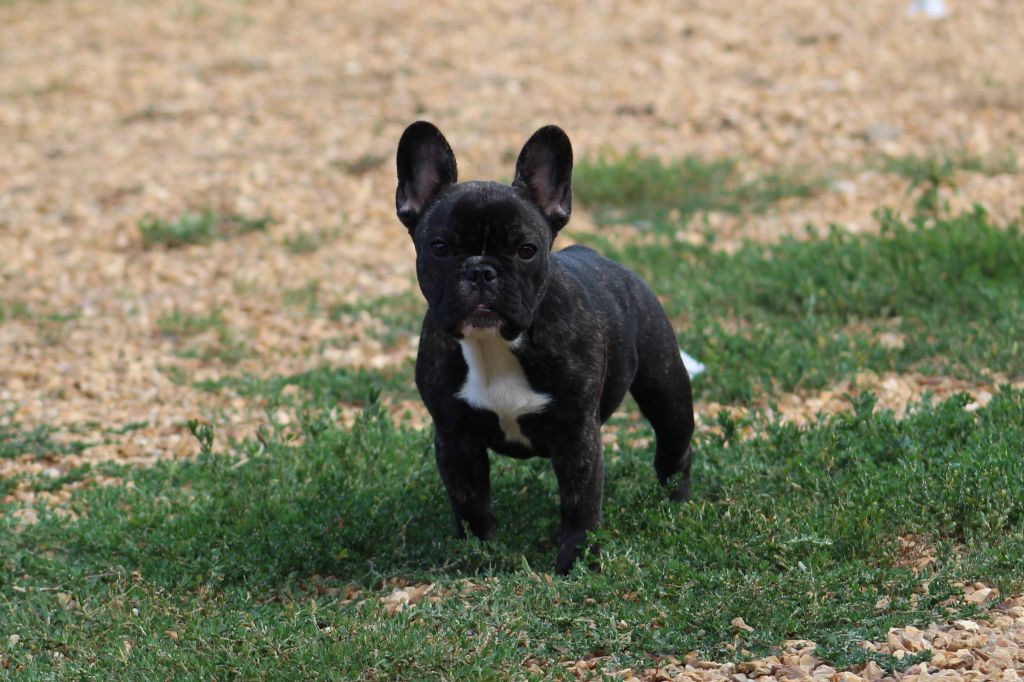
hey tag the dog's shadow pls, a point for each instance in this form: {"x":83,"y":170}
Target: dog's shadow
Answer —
{"x":357,"y":506}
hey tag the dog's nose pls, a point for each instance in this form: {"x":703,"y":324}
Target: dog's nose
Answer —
{"x":480,"y":273}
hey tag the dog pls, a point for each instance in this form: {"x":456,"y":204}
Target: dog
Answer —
{"x":524,"y":351}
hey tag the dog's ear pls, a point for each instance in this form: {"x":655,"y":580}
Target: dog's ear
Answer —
{"x":544,"y":174}
{"x":426,"y":165}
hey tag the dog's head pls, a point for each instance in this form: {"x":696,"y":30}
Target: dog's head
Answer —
{"x":483,"y":248}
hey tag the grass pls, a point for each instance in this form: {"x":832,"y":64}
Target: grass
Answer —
{"x":179,"y":323}
{"x":319,"y":389}
{"x":799,"y":315}
{"x":224,"y":345}
{"x":306,"y":296}
{"x":930,"y":173}
{"x":637,"y":187}
{"x":197,"y":228}
{"x":17,"y":440}
{"x":309,"y":241}
{"x":397,"y":317}
{"x":14,"y":310}
{"x":272,"y":558}
{"x":51,"y":326}
{"x":942,"y":166}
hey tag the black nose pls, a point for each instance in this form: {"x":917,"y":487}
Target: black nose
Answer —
{"x":480,"y":273}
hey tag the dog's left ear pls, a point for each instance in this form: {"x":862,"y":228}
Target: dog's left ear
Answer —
{"x":544,"y":174}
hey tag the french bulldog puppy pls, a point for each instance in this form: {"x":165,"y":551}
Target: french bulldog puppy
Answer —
{"x":527,"y":352}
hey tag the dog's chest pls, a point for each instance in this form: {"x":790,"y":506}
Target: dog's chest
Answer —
{"x":496,"y":382}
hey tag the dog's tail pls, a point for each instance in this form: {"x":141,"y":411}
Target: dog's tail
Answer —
{"x":693,"y":366}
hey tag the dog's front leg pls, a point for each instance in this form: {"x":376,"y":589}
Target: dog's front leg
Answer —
{"x":580,"y":473}
{"x":466,"y":472}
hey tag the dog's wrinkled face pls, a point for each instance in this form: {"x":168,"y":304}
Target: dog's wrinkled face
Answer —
{"x":482,"y":259}
{"x":482,"y":248}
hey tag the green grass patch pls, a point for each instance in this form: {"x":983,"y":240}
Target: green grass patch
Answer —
{"x":930,"y":173}
{"x":940,"y":167}
{"x":227,"y":349}
{"x":801,"y":314}
{"x":238,"y":564}
{"x":14,"y":310}
{"x":398,"y":316}
{"x":73,"y":475}
{"x":17,"y":440}
{"x":179,"y":323}
{"x":309,"y":241}
{"x":50,"y":326}
{"x":306,"y":296}
{"x":637,"y":187}
{"x":202,"y":227}
{"x":224,"y":346}
{"x":322,"y":388}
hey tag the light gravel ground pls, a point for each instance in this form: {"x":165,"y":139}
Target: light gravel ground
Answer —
{"x":113,"y":109}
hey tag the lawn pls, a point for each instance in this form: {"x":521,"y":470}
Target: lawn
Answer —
{"x":317,"y":550}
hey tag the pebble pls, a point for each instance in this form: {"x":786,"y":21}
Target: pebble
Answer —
{"x":985,"y":649}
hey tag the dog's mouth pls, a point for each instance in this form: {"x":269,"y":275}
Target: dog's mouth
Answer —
{"x":480,"y":318}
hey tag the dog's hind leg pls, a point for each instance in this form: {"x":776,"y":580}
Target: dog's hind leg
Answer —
{"x":662,"y":390}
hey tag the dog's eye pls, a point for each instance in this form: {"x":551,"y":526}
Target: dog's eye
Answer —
{"x":439,"y":248}
{"x":527,"y":251}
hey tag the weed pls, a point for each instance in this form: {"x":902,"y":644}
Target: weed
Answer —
{"x":225,"y":346}
{"x":51,"y":327}
{"x":272,"y":557}
{"x":932,"y":172}
{"x":73,"y":475}
{"x":196,"y":228}
{"x":309,"y":241}
{"x":808,"y":313}
{"x":14,"y":310}
{"x":227,"y":349}
{"x":305,"y":296}
{"x":941,"y":166}
{"x":17,"y":440}
{"x":178,"y":323}
{"x":177,"y":375}
{"x":398,"y":316}
{"x":323,"y":388}
{"x":635,"y":187}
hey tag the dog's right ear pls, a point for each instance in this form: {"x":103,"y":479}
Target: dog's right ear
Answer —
{"x":426,"y":165}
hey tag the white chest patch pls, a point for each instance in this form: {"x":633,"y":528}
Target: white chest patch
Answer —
{"x":496,"y":382}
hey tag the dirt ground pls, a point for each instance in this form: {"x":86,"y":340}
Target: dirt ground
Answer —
{"x":114,"y":109}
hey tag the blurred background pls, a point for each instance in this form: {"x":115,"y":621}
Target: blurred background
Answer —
{"x":193,"y":189}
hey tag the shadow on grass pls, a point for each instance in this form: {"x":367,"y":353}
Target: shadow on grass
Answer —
{"x":357,"y":505}
{"x":795,"y":530}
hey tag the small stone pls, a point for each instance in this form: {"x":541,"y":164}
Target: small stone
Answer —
{"x":754,"y":668}
{"x":790,"y":672}
{"x":881,"y":133}
{"x":823,"y":672}
{"x":979,"y":596}
{"x":847,"y":188}
{"x":738,"y":624}
{"x":872,"y":672}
